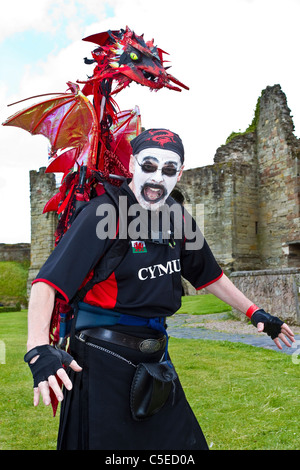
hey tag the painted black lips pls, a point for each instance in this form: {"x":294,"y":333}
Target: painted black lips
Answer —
{"x":153,"y":192}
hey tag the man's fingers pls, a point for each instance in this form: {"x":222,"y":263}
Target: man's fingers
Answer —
{"x":285,"y":329}
{"x":36,"y":396}
{"x":55,"y":387}
{"x":61,"y":373}
{"x":284,"y":340}
{"x":43,"y":389}
{"x":285,"y":335}
{"x":277,"y":342}
{"x":75,"y":366}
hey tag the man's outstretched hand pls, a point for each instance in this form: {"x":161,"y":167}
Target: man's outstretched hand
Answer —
{"x":274,"y":327}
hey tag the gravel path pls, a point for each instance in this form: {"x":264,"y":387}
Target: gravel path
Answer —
{"x":221,"y":328}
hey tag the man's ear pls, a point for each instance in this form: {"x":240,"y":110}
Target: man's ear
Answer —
{"x":131,"y":164}
{"x":180,"y":174}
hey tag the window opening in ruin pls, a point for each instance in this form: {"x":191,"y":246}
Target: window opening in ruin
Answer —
{"x":178,"y":196}
{"x":292,"y":251}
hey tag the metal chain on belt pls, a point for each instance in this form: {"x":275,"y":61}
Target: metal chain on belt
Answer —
{"x":112,"y":353}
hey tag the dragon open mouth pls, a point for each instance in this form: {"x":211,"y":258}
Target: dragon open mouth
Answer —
{"x":159,"y":80}
{"x":153,"y":79}
{"x":149,"y":76}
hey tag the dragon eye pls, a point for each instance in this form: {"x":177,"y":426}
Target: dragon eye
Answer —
{"x":134,"y":56}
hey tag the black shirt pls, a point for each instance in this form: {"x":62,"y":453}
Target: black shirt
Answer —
{"x":148,"y":280}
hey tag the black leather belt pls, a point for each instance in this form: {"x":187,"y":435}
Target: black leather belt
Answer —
{"x":149,"y":345}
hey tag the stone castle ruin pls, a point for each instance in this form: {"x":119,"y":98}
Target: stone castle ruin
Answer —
{"x":250,"y":200}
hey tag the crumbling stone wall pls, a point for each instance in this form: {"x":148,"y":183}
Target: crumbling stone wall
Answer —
{"x":275,"y":290}
{"x":228,"y":194}
{"x":278,"y":182}
{"x":15,"y":252}
{"x":251,"y":193}
{"x":251,"y":198}
{"x":42,"y":188}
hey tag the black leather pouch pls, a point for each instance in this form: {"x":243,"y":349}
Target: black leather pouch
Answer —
{"x":150,"y":388}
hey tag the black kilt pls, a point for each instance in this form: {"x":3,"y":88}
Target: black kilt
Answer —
{"x":96,"y":413}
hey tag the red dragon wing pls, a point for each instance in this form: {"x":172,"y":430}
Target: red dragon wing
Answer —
{"x":67,"y":120}
{"x":63,"y":162}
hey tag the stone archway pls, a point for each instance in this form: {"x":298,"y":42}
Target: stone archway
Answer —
{"x":178,"y":196}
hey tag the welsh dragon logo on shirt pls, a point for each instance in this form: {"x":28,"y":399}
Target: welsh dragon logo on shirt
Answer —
{"x":138,"y":247}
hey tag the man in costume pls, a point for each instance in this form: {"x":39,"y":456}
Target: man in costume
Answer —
{"x":120,"y":321}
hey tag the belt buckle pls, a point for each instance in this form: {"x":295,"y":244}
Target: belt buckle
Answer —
{"x":81,"y":337}
{"x":150,"y":345}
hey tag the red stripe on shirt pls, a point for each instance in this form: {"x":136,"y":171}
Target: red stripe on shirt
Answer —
{"x":52,"y":285}
{"x":211,"y":282}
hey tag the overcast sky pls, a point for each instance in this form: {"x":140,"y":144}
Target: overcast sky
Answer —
{"x":226,"y":51}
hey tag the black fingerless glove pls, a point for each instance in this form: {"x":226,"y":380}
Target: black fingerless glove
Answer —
{"x":272,"y":325}
{"x":49,"y":361}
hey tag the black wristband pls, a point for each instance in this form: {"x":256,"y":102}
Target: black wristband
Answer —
{"x":49,"y":361}
{"x":272,"y":325}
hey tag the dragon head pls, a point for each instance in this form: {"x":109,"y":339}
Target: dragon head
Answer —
{"x":125,"y":57}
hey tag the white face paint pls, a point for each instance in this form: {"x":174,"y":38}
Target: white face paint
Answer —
{"x":151,"y":188}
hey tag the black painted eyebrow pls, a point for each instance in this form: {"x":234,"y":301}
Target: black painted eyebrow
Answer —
{"x":148,"y":157}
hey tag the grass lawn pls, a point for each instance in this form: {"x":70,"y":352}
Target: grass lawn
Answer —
{"x":22,"y":426}
{"x":202,"y":305}
{"x":243,"y":397}
{"x":13,"y":280}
